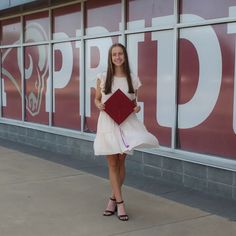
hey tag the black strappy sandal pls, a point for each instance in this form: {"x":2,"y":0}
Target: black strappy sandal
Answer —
{"x":109,"y":212}
{"x":122,"y":217}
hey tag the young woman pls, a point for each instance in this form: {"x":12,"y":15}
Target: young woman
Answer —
{"x":113,"y":140}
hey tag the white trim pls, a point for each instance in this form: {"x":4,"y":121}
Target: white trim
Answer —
{"x":175,"y":75}
{"x":82,"y":71}
{"x":1,"y":92}
{"x":50,"y":70}
{"x":23,"y":107}
{"x":35,"y":43}
{"x":69,"y":39}
{"x":10,"y":46}
{"x":149,"y":29}
{"x":123,"y":22}
{"x":96,"y":36}
{"x":206,"y":22}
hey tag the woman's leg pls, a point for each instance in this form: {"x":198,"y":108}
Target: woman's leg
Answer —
{"x":116,"y":165}
{"x":120,"y":205}
{"x":121,"y":167}
{"x":114,"y":176}
{"x":113,"y":166}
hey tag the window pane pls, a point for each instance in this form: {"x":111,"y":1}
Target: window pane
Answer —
{"x":66,"y":22}
{"x":10,"y":31}
{"x":66,"y":85}
{"x":195,"y":11}
{"x":4,"y":4}
{"x":11,"y":84}
{"x":36,"y":27}
{"x":36,"y":78}
{"x":206,"y":90}
{"x":19,"y":2}
{"x":95,"y":62}
{"x":155,"y":95}
{"x":144,"y":13}
{"x":102,"y":16}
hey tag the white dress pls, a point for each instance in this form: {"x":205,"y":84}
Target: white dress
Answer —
{"x":112,"y":138}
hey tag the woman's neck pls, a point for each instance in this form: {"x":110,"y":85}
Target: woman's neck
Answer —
{"x":119,"y":72}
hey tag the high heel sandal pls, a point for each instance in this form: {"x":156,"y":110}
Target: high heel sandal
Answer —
{"x":109,"y":212}
{"x":124,"y":217}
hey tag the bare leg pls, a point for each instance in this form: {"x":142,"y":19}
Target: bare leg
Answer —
{"x":121,"y":166}
{"x":120,"y":207}
{"x":114,"y":176}
{"x":113,"y":165}
{"x":116,"y":164}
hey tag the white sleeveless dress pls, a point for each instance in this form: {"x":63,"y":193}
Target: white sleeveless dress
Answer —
{"x":112,"y":138}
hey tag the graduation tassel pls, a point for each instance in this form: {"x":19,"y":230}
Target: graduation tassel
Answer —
{"x":123,"y":138}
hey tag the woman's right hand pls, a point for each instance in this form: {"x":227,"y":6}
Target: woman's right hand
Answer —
{"x":98,"y":97}
{"x":101,"y":106}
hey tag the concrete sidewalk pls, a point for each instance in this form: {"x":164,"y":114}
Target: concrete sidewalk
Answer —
{"x":45,"y":194}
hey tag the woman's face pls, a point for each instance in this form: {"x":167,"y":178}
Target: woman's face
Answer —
{"x":117,"y":55}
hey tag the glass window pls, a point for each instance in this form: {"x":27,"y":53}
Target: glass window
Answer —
{"x":148,"y":52}
{"x":144,"y":13}
{"x":19,"y":2}
{"x":4,"y":4}
{"x":195,"y":11}
{"x":95,"y":62}
{"x":10,"y":31}
{"x":102,"y":16}
{"x":36,"y":27}
{"x":11,"y":83}
{"x":66,"y":22}
{"x":66,"y":85}
{"x":36,"y":84}
{"x":206,"y":90}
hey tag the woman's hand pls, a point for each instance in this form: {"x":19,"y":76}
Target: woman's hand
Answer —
{"x":98,"y":97}
{"x":100,"y":106}
{"x":137,"y":109}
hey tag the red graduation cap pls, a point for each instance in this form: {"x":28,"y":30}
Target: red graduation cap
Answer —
{"x":119,"y":106}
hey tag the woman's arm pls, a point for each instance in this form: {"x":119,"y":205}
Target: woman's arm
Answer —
{"x":98,"y":96}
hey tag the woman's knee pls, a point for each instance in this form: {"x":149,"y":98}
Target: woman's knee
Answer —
{"x":113,"y":162}
{"x":122,"y":158}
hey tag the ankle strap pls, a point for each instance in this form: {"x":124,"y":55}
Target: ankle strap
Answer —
{"x":120,"y":202}
{"x":112,"y":199}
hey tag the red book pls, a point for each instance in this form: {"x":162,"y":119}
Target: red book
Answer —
{"x":119,"y":106}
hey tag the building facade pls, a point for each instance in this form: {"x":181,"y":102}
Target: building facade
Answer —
{"x":183,"y":52}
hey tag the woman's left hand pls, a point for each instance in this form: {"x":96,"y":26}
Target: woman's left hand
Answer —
{"x":137,"y":109}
